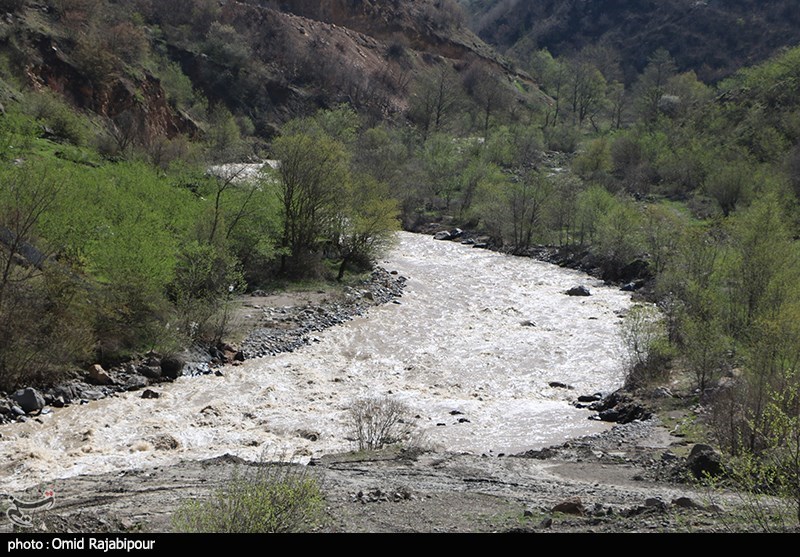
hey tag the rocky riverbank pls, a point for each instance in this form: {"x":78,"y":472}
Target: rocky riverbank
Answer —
{"x":634,"y":277}
{"x":274,"y":331}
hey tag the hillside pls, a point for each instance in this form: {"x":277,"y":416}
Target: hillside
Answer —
{"x":163,"y":66}
{"x":714,"y":38}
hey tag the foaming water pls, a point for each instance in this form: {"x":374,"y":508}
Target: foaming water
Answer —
{"x":471,"y":349}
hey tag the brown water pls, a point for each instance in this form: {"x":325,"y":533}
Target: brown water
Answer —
{"x":455,"y":343}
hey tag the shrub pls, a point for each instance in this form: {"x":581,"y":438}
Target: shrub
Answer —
{"x":268,"y":497}
{"x":647,"y":348}
{"x":378,"y":421}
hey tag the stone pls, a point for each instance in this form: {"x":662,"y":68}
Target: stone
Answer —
{"x":590,"y":398}
{"x":151,"y":372}
{"x":443,"y":235}
{"x":28,"y":400}
{"x":172,"y":367}
{"x":99,"y":376}
{"x":150,"y":394}
{"x":136,"y":382}
{"x":686,"y":503}
{"x":704,"y":461}
{"x":662,"y":392}
{"x":656,"y":503}
{"x":579,"y":291}
{"x":66,"y":392}
{"x":560,"y":385}
{"x":308,"y":434}
{"x":669,"y":456}
{"x":573,"y":505}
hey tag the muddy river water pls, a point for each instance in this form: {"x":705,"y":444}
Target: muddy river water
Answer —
{"x":470,"y":349}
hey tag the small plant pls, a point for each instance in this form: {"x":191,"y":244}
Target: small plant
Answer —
{"x":267,"y":497}
{"x":378,"y":421}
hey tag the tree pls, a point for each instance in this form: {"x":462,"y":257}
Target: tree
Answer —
{"x":729,"y":184}
{"x":652,"y":84}
{"x":367,"y":223}
{"x":312,"y":179}
{"x":435,"y":100}
{"x":587,"y":90}
{"x":553,"y":75}
{"x":490,"y":94}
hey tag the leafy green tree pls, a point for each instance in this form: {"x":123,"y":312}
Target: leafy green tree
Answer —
{"x":312,"y":179}
{"x":618,"y":237}
{"x":441,"y":163}
{"x":367,"y":223}
{"x":730,"y":184}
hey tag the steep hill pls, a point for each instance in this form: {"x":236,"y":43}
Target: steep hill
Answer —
{"x":711,"y":37}
{"x":155,"y":64}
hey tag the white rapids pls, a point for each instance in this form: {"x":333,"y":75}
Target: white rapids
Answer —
{"x":457,"y":342}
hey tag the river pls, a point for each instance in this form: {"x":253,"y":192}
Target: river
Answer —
{"x":470,"y":350}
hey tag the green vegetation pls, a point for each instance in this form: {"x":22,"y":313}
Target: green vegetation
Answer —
{"x":267,"y":498}
{"x":114,"y":238}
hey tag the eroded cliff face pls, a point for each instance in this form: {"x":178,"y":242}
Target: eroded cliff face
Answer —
{"x":140,"y":101}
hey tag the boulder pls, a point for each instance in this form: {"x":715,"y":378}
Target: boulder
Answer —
{"x":150,"y":394}
{"x":443,"y":235}
{"x":135,"y":382}
{"x":573,"y":505}
{"x":151,"y":372}
{"x":99,"y":376}
{"x":704,"y":461}
{"x":560,"y":385}
{"x":590,"y":398}
{"x":28,"y":399}
{"x":67,"y":393}
{"x":687,"y":503}
{"x":171,"y":367}
{"x":578,"y":291}
{"x":656,"y":503}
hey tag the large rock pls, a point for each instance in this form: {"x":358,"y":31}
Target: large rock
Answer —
{"x":443,"y":235}
{"x":579,"y":291}
{"x":151,"y":372}
{"x":172,"y":367}
{"x":99,"y":376}
{"x":29,"y":400}
{"x":704,"y":461}
{"x":571,"y":506}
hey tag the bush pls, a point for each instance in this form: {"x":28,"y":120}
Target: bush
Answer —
{"x":378,"y":421}
{"x":647,"y":348}
{"x":58,"y":116}
{"x":269,"y":497}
